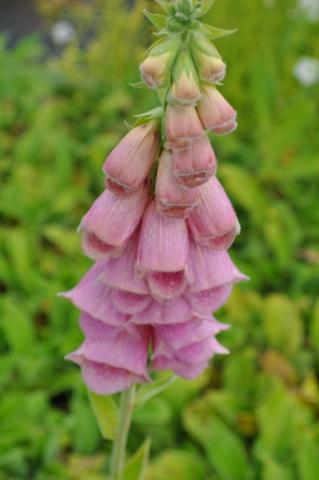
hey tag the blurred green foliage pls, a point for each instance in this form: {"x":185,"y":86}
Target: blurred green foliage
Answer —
{"x":254,"y":414}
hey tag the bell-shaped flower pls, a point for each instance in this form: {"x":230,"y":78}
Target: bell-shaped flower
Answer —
{"x":95,"y":299}
{"x":112,"y":359}
{"x":172,"y":198}
{"x":185,"y":88}
{"x":213,"y":222}
{"x":187,"y":348}
{"x":194,"y":164}
{"x":158,"y":61}
{"x":162,"y":254}
{"x":111,"y":221}
{"x":209,"y":63}
{"x":129,"y":164}
{"x":174,"y":311}
{"x":215,"y":112}
{"x":211,"y":269}
{"x":182,"y":125}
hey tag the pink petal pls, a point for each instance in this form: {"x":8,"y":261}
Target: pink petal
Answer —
{"x":173,"y":199}
{"x":174,"y":311}
{"x":194,"y":164}
{"x":213,"y":222}
{"x":182,"y":125}
{"x":162,"y":254}
{"x":130,"y":303}
{"x":207,"y":301}
{"x":120,"y":271}
{"x":129,"y":164}
{"x":111,"y":221}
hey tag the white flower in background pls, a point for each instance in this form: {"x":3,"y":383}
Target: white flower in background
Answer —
{"x":310,"y":8}
{"x":62,"y":33}
{"x":306,"y":70}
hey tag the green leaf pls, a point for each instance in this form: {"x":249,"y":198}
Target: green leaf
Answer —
{"x":213,"y":32}
{"x":178,"y":465}
{"x":150,"y":390}
{"x":136,"y":466}
{"x":106,"y":413}
{"x":17,"y":326}
{"x":308,"y":459}
{"x":282,"y":323}
{"x":165,"y":5}
{"x":225,"y":450}
{"x":159,"y":21}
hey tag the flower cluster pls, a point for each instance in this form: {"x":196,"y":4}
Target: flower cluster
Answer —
{"x":160,"y":231}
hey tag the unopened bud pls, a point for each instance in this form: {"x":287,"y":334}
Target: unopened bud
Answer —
{"x":157,"y":63}
{"x":208,"y":61}
{"x":185,"y":88}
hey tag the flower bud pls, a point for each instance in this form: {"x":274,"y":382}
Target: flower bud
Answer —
{"x":129,"y":164}
{"x":185,"y":88}
{"x":159,"y":60}
{"x":162,"y":254}
{"x":209,"y":63}
{"x":213,"y":222}
{"x":182,"y":125}
{"x":172,"y":198}
{"x":111,"y":221}
{"x":195,"y":164}
{"x":215,"y":112}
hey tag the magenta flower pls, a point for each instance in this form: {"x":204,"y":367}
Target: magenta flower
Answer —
{"x":161,"y":230}
{"x":129,"y":164}
{"x":111,"y":221}
{"x":194,"y":164}
{"x":172,"y":198}
{"x":214,"y":222}
{"x":162,"y":254}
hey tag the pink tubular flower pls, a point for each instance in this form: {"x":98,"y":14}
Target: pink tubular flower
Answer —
{"x":111,"y":221}
{"x":129,"y":164}
{"x":111,"y":359}
{"x":211,"y":269}
{"x":182,"y":125}
{"x":215,"y":112}
{"x":173,"y":199}
{"x":156,"y":65}
{"x":186,"y":348}
{"x":162,"y":254}
{"x":214,"y":222}
{"x":173,"y":311}
{"x":194,"y":164}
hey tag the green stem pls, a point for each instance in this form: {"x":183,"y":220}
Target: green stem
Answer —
{"x":119,"y":446}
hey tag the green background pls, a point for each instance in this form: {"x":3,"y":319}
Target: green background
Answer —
{"x":252,"y":415}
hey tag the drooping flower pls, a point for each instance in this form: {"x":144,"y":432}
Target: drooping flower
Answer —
{"x":111,"y":221}
{"x":213,"y":222}
{"x":162,"y":254}
{"x":215,"y":112}
{"x":194,"y":164}
{"x":129,"y":164}
{"x":182,"y":125}
{"x":111,"y":359}
{"x":172,"y":198}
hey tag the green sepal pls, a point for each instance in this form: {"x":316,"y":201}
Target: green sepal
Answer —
{"x":165,"y":5}
{"x":184,"y":63}
{"x":159,"y":21}
{"x":154,"y":114}
{"x":148,"y":391}
{"x":136,"y":466}
{"x":170,"y":44}
{"x":202,"y":44}
{"x":206,"y":6}
{"x":106,"y":412}
{"x":213,"y":32}
{"x":139,"y":85}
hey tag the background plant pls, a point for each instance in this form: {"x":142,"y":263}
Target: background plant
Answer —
{"x":254,"y":414}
